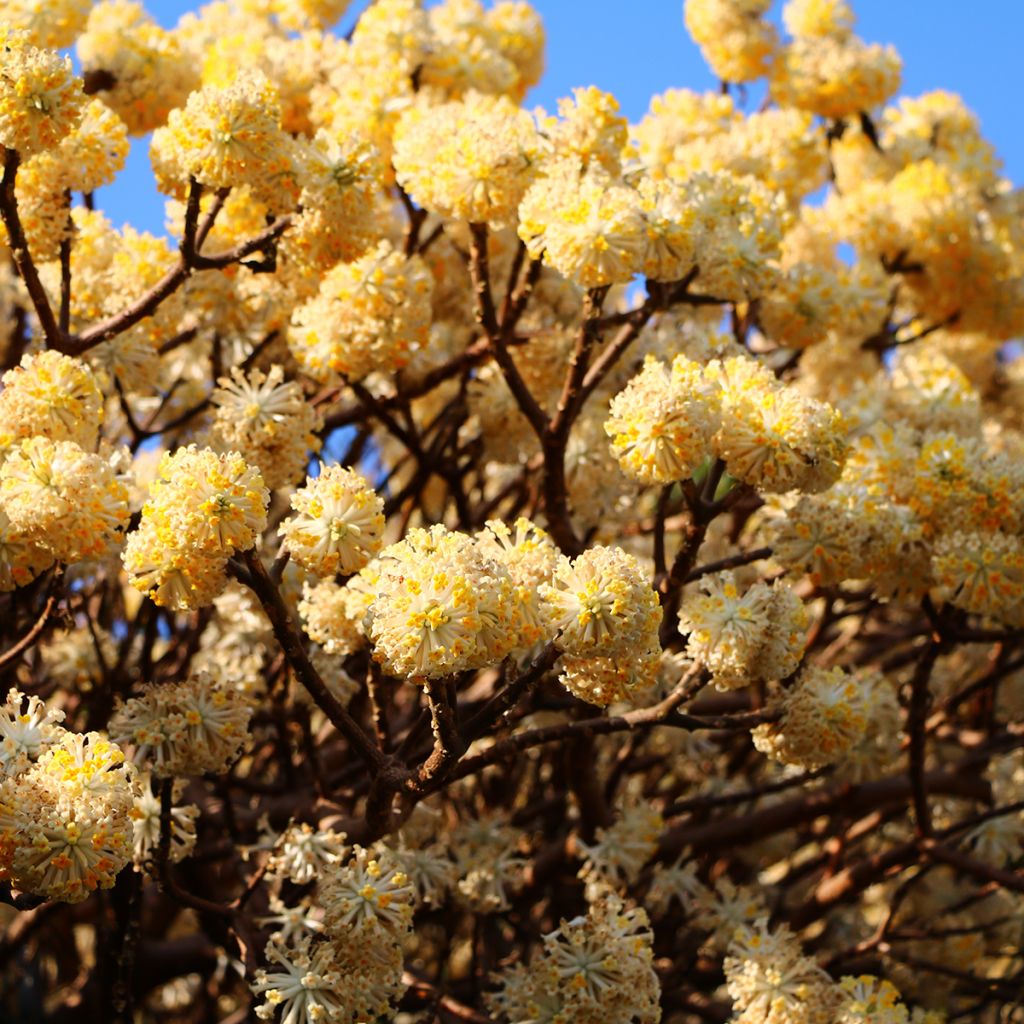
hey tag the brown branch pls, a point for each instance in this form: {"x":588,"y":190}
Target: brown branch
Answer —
{"x":256,"y":578}
{"x":14,"y":652}
{"x":55,"y":337}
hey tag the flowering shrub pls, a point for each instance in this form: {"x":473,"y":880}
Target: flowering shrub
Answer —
{"x":489,"y":564}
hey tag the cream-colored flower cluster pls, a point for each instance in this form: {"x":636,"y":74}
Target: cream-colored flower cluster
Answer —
{"x":202,"y":508}
{"x":65,"y":804}
{"x":187,"y":728}
{"x":744,"y":638}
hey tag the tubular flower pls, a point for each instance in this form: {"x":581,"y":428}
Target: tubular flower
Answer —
{"x":305,"y":985}
{"x":367,"y":315}
{"x":68,"y":501}
{"x":870,"y":1000}
{"x":603,"y":604}
{"x":54,"y":396}
{"x":338,"y":523}
{"x":302,"y":853}
{"x":588,"y":226}
{"x":440,"y":607}
{"x":268,"y":420}
{"x":620,"y":851}
{"x":187,"y":728}
{"x":66,"y":820}
{"x":41,"y":99}
{"x":472,"y":159}
{"x":823,"y":717}
{"x":771,"y":436}
{"x":744,"y":638}
{"x":662,"y":422}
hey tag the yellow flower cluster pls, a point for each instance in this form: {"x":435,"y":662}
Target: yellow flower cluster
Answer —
{"x":338,"y":524}
{"x":41,"y":99}
{"x":769,"y":978}
{"x":65,"y":804}
{"x":596,"y":968}
{"x":770,"y":436}
{"x":142,"y":70}
{"x":472,"y":159}
{"x":662,"y":422}
{"x":64,"y":500}
{"x":52,"y":395}
{"x":50,"y":24}
{"x":368,"y":315}
{"x":607,"y":618}
{"x":441,"y":606}
{"x":744,"y":638}
{"x":823,"y":717}
{"x":202,"y":508}
{"x":231,"y":136}
{"x":268,"y":421}
{"x":734,"y":38}
{"x":187,"y":728}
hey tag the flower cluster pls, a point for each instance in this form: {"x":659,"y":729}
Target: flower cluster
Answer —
{"x":202,"y":508}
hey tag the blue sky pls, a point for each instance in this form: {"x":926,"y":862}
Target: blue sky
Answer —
{"x":635,"y":50}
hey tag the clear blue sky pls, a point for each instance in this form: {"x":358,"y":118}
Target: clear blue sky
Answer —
{"x":636,"y":49}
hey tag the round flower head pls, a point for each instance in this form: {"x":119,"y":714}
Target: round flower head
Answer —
{"x":770,"y":979}
{"x":214,"y":504}
{"x":612,"y":680}
{"x":70,"y":502}
{"x":141,"y":71}
{"x":472,"y":159}
{"x":173,"y":573}
{"x":41,"y":99}
{"x":586,"y":225}
{"x":22,"y":559}
{"x":744,"y":638}
{"x":304,"y":854}
{"x":593,"y":968}
{"x":342,"y":178}
{"x":835,"y":77}
{"x":52,"y":24}
{"x":54,"y":396}
{"x":232,"y":136}
{"x":603,"y":604}
{"x":303,"y":983}
{"x":982,"y":573}
{"x":661,"y":423}
{"x":68,"y":819}
{"x":529,"y":555}
{"x":770,"y":436}
{"x":823,"y":717}
{"x":338,"y":523}
{"x":367,"y":315}
{"x":440,"y":607}
{"x":27,"y":729}
{"x":733,"y":37}
{"x":366,"y":896}
{"x":187,"y":728}
{"x":268,"y":420}
{"x":333,"y":616}
{"x":871,"y":1000}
